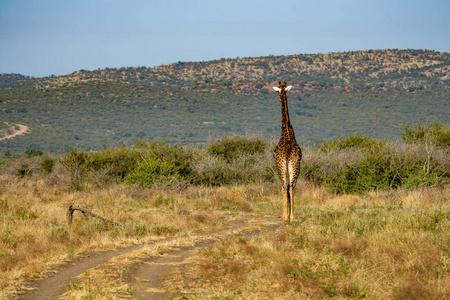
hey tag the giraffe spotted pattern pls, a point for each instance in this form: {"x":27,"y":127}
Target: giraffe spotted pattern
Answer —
{"x":287,"y":156}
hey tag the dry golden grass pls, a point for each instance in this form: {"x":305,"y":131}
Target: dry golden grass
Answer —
{"x":378,"y":246}
{"x":35,"y":236}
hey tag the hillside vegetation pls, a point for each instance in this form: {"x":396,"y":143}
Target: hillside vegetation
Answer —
{"x":370,"y":92}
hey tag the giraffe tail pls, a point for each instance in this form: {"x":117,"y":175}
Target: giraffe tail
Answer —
{"x":288,"y":191}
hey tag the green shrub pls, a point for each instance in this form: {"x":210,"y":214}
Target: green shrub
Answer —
{"x":114,"y":162}
{"x":152,"y":171}
{"x":47,"y":164}
{"x":33,"y":152}
{"x":231,"y":147}
{"x":365,"y":170}
{"x":179,"y":157}
{"x":159,"y":159}
{"x":74,"y":161}
{"x":352,"y":142}
{"x":437,"y":134}
{"x":374,"y":172}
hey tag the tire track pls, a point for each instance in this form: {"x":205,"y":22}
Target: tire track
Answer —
{"x":147,"y":276}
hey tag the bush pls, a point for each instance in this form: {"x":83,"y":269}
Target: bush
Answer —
{"x":358,"y":165}
{"x":353,"y":142}
{"x":74,"y":162}
{"x":237,"y":160}
{"x":111,"y":165}
{"x":212,"y":170}
{"x":231,"y":147}
{"x":355,"y":164}
{"x":152,"y":171}
{"x":47,"y":164}
{"x":24,"y":167}
{"x":179,"y":157}
{"x":24,"y":171}
{"x":375,"y":172}
{"x":122,"y":164}
{"x":437,"y":134}
{"x":33,"y":152}
{"x":116,"y":163}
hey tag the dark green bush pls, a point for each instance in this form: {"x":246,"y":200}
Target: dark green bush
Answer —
{"x":374,"y":172}
{"x":47,"y":164}
{"x":33,"y":152}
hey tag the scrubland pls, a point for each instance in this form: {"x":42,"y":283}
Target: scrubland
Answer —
{"x":372,"y":218}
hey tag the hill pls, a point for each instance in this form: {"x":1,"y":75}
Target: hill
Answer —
{"x":369,"y":92}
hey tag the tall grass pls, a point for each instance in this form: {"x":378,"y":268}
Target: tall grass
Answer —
{"x":35,"y":236}
{"x":375,"y":246}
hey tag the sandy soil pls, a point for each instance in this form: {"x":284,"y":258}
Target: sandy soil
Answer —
{"x":22,"y":130}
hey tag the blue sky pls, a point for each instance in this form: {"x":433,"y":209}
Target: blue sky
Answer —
{"x":43,"y":37}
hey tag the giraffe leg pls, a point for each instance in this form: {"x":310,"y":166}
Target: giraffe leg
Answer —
{"x":284,"y":191}
{"x":291,"y":208}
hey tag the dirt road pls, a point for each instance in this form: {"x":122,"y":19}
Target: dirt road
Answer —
{"x":147,"y":269}
{"x":22,"y":130}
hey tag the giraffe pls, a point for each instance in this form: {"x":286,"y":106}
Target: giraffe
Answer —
{"x":287,"y":156}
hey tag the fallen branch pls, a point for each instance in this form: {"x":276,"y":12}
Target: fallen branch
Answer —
{"x":88,"y":214}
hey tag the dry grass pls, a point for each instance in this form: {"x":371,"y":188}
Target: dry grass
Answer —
{"x":35,"y":236}
{"x":378,"y":246}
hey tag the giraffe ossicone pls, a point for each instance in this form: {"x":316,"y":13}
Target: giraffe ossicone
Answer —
{"x":288,"y":88}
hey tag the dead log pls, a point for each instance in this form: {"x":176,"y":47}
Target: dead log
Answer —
{"x":88,"y":214}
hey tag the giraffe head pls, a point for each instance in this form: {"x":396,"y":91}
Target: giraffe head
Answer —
{"x":282,"y":89}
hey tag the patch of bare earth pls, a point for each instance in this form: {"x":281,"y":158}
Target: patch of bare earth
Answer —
{"x":21,"y":130}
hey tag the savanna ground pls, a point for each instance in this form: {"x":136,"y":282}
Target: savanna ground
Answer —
{"x":351,"y":238}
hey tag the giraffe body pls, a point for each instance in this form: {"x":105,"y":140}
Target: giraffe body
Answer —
{"x":287,"y":156}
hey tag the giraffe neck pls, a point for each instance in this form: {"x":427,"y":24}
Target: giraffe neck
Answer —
{"x":287,"y":131}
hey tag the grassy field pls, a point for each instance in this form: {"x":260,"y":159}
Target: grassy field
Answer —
{"x":379,"y":245}
{"x":372,"y":219}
